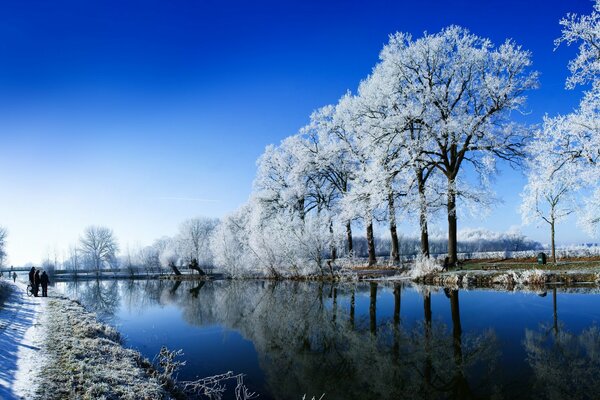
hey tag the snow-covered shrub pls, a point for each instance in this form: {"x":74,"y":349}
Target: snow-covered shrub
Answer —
{"x":425,"y":266}
{"x":529,"y":277}
{"x":532,"y":277}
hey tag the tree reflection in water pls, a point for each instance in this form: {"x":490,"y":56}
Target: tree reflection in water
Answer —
{"x":101,"y":297}
{"x":313,"y":338}
{"x":565,"y":365}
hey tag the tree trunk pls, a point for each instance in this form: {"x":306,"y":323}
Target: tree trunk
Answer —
{"x":193,"y":265}
{"x":456,"y":326}
{"x":334,"y":306}
{"x":397,"y":304}
{"x":300,"y":209}
{"x":373,"y":308}
{"x":333,"y":248}
{"x":174,"y":288}
{"x":175,"y":269}
{"x":428,"y":367}
{"x":395,"y":255}
{"x":461,"y":389}
{"x":555,"y":313}
{"x":427,"y":309}
{"x":552,"y":241}
{"x":371,"y":242}
{"x":349,"y":237}
{"x":396,"y":345}
{"x":423,"y":215}
{"x":452,"y":237}
{"x":352,"y":302}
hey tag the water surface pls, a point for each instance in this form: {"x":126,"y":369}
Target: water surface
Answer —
{"x":363,"y":341}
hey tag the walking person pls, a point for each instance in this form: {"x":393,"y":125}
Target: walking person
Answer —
{"x":44,"y":281}
{"x":36,"y":283}
{"x":14,"y":277}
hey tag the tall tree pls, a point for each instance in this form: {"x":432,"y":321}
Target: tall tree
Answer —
{"x":360,"y":201}
{"x":331,"y":160}
{"x":470,"y":87}
{"x":194,"y":237}
{"x":99,"y":246}
{"x":575,"y":138}
{"x":549,"y":193}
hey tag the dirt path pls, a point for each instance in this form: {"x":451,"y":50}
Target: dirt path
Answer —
{"x":22,"y":334}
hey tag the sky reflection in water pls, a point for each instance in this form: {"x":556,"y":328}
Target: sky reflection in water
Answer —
{"x":363,"y":340}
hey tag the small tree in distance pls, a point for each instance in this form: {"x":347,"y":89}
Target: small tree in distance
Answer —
{"x":3,"y":235}
{"x":548,"y":195}
{"x":99,"y":247}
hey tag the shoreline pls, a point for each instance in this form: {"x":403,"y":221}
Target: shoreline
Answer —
{"x":511,"y":278}
{"x":68,"y":353}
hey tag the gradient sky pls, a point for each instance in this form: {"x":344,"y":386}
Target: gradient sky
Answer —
{"x":138,"y":114}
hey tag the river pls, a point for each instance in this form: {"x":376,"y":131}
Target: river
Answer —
{"x":363,"y":340}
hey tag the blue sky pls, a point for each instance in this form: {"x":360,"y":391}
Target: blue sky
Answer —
{"x":139,"y":114}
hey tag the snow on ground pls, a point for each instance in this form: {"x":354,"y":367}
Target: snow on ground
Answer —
{"x":22,"y":333}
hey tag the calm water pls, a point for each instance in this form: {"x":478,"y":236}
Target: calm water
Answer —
{"x":363,"y":341}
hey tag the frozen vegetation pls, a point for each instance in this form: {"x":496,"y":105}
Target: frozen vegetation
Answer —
{"x":85,"y":359}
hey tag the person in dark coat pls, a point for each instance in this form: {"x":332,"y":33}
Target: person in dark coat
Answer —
{"x":31,"y":275}
{"x":14,"y":276}
{"x":44,"y":281}
{"x":36,"y":283}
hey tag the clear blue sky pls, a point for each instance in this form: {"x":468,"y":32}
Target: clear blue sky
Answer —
{"x":139,"y":114}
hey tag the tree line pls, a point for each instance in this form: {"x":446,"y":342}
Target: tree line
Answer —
{"x":419,"y":138}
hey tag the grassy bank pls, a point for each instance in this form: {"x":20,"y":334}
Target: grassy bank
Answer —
{"x":85,"y":360}
{"x":512,"y":278}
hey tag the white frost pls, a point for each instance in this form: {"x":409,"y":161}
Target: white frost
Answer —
{"x":22,"y":333}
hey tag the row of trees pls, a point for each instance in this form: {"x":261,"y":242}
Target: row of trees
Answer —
{"x":201,"y":238}
{"x":98,"y":249}
{"x":422,"y":135}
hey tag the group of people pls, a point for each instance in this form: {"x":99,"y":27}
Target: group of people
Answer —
{"x":36,"y":279}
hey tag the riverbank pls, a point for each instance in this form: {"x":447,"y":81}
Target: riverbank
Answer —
{"x":52,"y":348}
{"x":511,"y":278}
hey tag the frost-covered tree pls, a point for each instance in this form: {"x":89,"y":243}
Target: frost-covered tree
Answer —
{"x":584,"y":30}
{"x":395,"y":113}
{"x":194,"y":239}
{"x":382,"y":138}
{"x":149,"y":257}
{"x":548,"y":195}
{"x":230,"y":244}
{"x":276,"y":185}
{"x":331,"y":163}
{"x":471,"y":86}
{"x":575,"y":137}
{"x":99,"y":247}
{"x":360,"y":202}
{"x":290,"y":196}
{"x":3,"y":236}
